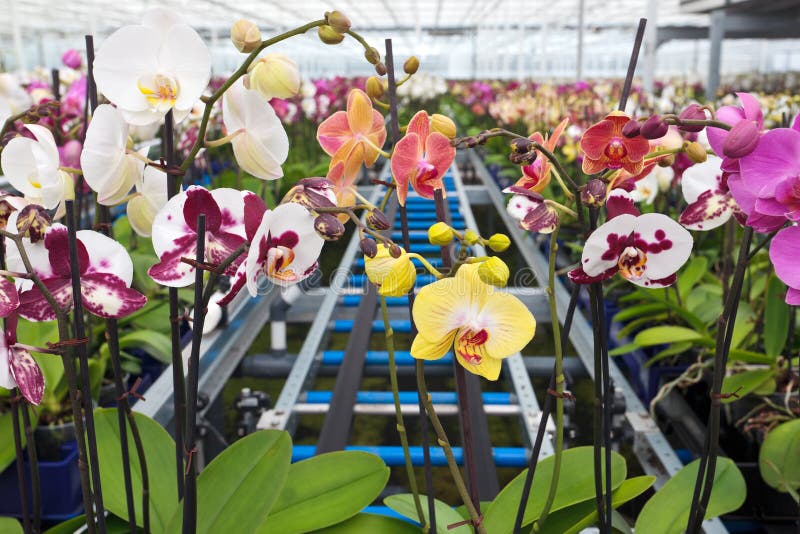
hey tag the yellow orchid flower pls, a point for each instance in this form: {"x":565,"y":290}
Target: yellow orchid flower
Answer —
{"x":394,"y":277}
{"x":485,"y":325}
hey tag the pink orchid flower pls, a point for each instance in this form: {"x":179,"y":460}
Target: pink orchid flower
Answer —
{"x":106,"y":273}
{"x":767,"y":187}
{"x":421,"y":158}
{"x":18,"y":369}
{"x":175,"y":232}
{"x":705,"y":189}
{"x":353,"y":137}
{"x":647,"y":250}
{"x":783,"y":253}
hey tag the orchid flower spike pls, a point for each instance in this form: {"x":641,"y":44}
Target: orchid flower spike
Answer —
{"x":483,"y":324}
{"x":151,"y":68}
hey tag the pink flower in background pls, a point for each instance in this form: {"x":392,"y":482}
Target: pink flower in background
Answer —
{"x":70,"y":154}
{"x":72,"y":102}
{"x":72,"y":59}
{"x":783,"y":253}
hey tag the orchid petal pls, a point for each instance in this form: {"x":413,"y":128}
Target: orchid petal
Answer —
{"x":27,"y":375}
{"x":404,"y":160}
{"x":334,"y":132}
{"x":618,"y":202}
{"x":603,"y":247}
{"x":700,"y":178}
{"x":419,"y":125}
{"x":783,"y":254}
{"x":107,"y":295}
{"x":710,"y":210}
{"x":186,"y":57}
{"x":359,"y":112}
{"x":422,"y":349}
{"x":124,"y":57}
{"x":509,"y":324}
{"x":33,"y":305}
{"x":105,"y":255}
{"x":488,"y":367}
{"x":666,"y":243}
{"x":9,"y":298}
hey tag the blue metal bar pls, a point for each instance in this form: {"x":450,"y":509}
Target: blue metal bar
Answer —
{"x":406,"y":397}
{"x":393,"y":455}
{"x":421,"y":215}
{"x":436,"y":262}
{"x":346,"y":325}
{"x":360,"y":280}
{"x":379,"y":357}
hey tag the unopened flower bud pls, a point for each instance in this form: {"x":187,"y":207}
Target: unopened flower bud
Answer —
{"x":395,"y":251}
{"x":380,"y":68}
{"x":411,"y":65}
{"x":524,"y":158}
{"x":245,"y":35}
{"x":312,"y":193}
{"x":328,"y":227}
{"x":692,"y":112}
{"x":72,"y":59}
{"x":372,"y":55}
{"x":696,"y":152}
{"x":471,"y":237}
{"x":667,"y":161}
{"x":440,"y":234}
{"x":33,"y":222}
{"x":631,"y":129}
{"x":741,"y":140}
{"x":498,"y":242}
{"x":521,"y":145}
{"x":369,"y":247}
{"x":494,"y":271}
{"x":275,"y":76}
{"x":594,"y":193}
{"x":654,"y":128}
{"x":374,"y":87}
{"x":328,"y":35}
{"x":377,"y":220}
{"x":444,"y":125}
{"x":7,"y":137}
{"x":338,"y":21}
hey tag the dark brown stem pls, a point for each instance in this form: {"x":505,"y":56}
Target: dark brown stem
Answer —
{"x":725,"y":324}
{"x":190,"y":482}
{"x":33,"y":463}
{"x":637,"y":45}
{"x":178,"y":383}
{"x":22,"y":480}
{"x":80,"y":350}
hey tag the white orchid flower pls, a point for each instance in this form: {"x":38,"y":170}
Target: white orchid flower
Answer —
{"x":150,"y":68}
{"x":261,"y":145}
{"x":32,"y":168}
{"x":112,"y":171}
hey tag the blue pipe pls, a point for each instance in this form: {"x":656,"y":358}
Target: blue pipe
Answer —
{"x":346,"y":325}
{"x":380,"y":357}
{"x":406,"y":397}
{"x":393,"y":455}
{"x":359,"y":280}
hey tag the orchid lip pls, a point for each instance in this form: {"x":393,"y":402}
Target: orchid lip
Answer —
{"x":160,"y":91}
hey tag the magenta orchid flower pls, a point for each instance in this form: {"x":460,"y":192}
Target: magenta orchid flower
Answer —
{"x":18,"y":369}
{"x":531,"y":211}
{"x":175,"y":232}
{"x":705,"y":189}
{"x":647,"y":250}
{"x":106,"y":272}
{"x":421,"y":158}
{"x":768,"y":185}
{"x":783,"y":253}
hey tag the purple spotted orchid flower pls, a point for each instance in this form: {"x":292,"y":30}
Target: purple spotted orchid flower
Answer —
{"x":18,"y":369}
{"x":106,"y":273}
{"x":647,"y":250}
{"x":531,"y":211}
{"x":175,"y":231}
{"x":284,"y":248}
{"x":705,"y":189}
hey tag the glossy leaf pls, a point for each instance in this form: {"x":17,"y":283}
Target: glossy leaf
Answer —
{"x":661,"y":335}
{"x":639,"y":310}
{"x":9,"y":525}
{"x":160,"y":455}
{"x":667,"y":512}
{"x":403,"y":504}
{"x":325,"y":490}
{"x":776,"y":317}
{"x":575,"y":518}
{"x":744,"y":383}
{"x":747,"y":356}
{"x":672,"y":350}
{"x":156,"y":344}
{"x":237,"y":490}
{"x":691,"y":275}
{"x":779,"y":458}
{"x":745,"y":323}
{"x":371,"y":524}
{"x":576,"y":484}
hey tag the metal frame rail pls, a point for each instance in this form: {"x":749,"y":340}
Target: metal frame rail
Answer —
{"x":650,"y":446}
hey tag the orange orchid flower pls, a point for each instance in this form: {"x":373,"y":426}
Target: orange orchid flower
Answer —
{"x":604,"y":146}
{"x":353,"y":137}
{"x":536,"y":176}
{"x":343,"y":188}
{"x":421,"y":158}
